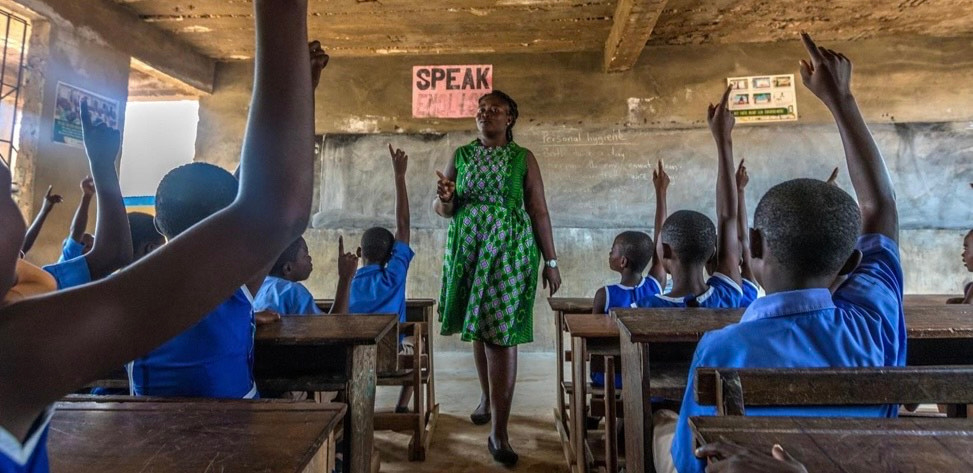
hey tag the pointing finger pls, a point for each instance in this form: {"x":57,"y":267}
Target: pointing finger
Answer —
{"x":812,"y":48}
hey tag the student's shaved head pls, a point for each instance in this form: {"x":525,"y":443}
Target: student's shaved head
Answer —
{"x":190,"y":193}
{"x":636,"y":247}
{"x":809,"y":226}
{"x":691,"y":235}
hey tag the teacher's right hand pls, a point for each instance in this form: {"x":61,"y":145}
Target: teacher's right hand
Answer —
{"x":446,"y":188}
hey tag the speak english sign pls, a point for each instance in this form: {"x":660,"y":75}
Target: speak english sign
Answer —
{"x":449,"y":91}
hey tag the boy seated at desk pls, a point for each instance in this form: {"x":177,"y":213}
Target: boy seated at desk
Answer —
{"x":688,"y":240}
{"x":283,"y":293}
{"x":806,"y":232}
{"x":379,"y":285}
{"x":55,"y":343}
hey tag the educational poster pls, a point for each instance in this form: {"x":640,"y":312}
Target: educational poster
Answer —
{"x":449,"y":91}
{"x":67,"y":113}
{"x":759,"y":99}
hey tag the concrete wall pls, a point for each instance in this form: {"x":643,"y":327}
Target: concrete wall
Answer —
{"x":60,"y":53}
{"x":914,"y":92}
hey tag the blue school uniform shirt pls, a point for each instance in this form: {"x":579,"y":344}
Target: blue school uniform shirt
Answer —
{"x":750,"y":292}
{"x":70,"y":249}
{"x":722,"y":292}
{"x":212,"y":359}
{"x":284,"y":297}
{"x":30,"y":456}
{"x":381,"y":290}
{"x":861,"y":325}
{"x":71,"y":273}
{"x":619,"y":296}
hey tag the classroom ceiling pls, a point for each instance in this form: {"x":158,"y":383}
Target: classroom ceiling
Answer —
{"x":223,"y":29}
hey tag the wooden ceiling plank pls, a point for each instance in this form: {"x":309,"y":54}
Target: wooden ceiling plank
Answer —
{"x":123,"y":30}
{"x":632,"y":26}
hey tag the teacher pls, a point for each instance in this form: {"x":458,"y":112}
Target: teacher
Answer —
{"x":493,"y":193}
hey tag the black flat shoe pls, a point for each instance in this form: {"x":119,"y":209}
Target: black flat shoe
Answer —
{"x":506,"y":457}
{"x":481,"y":419}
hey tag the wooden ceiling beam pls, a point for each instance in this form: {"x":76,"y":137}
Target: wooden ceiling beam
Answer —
{"x":632,"y":26}
{"x":123,"y":30}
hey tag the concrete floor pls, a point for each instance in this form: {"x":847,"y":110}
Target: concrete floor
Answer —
{"x":457,"y":444}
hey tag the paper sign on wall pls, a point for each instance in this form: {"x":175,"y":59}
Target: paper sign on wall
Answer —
{"x":763,"y":98}
{"x":67,"y":113}
{"x":449,"y":91}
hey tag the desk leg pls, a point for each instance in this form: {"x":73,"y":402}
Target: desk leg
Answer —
{"x":579,"y":381}
{"x":611,"y":443}
{"x":559,"y":355}
{"x":638,"y":406}
{"x":359,"y":427}
{"x":431,"y":383}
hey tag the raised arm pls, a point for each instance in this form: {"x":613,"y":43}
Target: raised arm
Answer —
{"x":11,"y":233}
{"x":828,"y":76}
{"x":347,"y":266}
{"x":80,"y":223}
{"x":53,"y":344}
{"x":660,"y":180}
{"x":113,"y":238}
{"x":403,"y":226}
{"x":721,"y":123}
{"x":540,"y":220}
{"x":743,"y":229}
{"x":50,"y":200}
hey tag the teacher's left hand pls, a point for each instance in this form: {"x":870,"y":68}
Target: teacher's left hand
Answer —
{"x":552,"y":279}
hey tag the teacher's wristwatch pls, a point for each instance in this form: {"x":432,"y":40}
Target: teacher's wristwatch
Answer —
{"x":551,"y":263}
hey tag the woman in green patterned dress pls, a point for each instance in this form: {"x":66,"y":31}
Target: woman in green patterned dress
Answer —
{"x":493,"y":193}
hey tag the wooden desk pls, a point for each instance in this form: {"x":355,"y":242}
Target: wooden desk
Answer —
{"x":562,"y":306}
{"x":123,"y":437}
{"x":827,"y":445}
{"x":937,"y":335}
{"x":327,"y":353}
{"x":927,"y":299}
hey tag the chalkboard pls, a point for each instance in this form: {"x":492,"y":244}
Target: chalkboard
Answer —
{"x":602,"y":178}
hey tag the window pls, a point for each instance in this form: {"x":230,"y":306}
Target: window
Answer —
{"x":14,"y":34}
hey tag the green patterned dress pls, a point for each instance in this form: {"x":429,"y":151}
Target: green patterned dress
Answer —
{"x":491,"y":262}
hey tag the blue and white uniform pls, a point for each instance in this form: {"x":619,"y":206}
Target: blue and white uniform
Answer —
{"x":722,"y":292}
{"x":30,"y":456}
{"x":284,"y":297}
{"x":620,"y":296}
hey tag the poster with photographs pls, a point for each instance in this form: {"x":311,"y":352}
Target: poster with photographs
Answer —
{"x":758,"y":99}
{"x":67,"y":113}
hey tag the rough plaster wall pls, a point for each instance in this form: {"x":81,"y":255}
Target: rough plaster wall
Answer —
{"x":72,"y":59}
{"x":624,"y":122}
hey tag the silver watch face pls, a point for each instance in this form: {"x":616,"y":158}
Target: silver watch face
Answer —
{"x":552,"y":263}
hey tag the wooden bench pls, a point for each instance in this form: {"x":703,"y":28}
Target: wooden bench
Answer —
{"x":927,"y":299}
{"x":122,"y":437}
{"x":415,"y":370}
{"x":731,"y":389}
{"x":656,"y":338}
{"x":833,"y":445}
{"x":561,"y":307}
{"x":328,"y":353}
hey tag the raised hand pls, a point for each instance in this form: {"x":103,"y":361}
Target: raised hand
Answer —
{"x":833,"y":178}
{"x":347,"y":262}
{"x":319,"y":60}
{"x":828,"y":75}
{"x":743,"y":178}
{"x":446,"y":188}
{"x":660,"y":179}
{"x":400,"y":160}
{"x":88,"y":186}
{"x":101,"y":142}
{"x":50,"y":200}
{"x":720,"y":118}
{"x":731,"y":458}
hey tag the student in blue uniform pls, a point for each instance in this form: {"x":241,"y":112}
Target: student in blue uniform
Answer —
{"x":113,"y":238}
{"x":145,"y":237}
{"x":805,"y":233}
{"x":80,"y":242}
{"x":968,"y":263}
{"x":283,"y":293}
{"x":379,"y":285}
{"x":54,"y":344}
{"x":688,"y":240}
